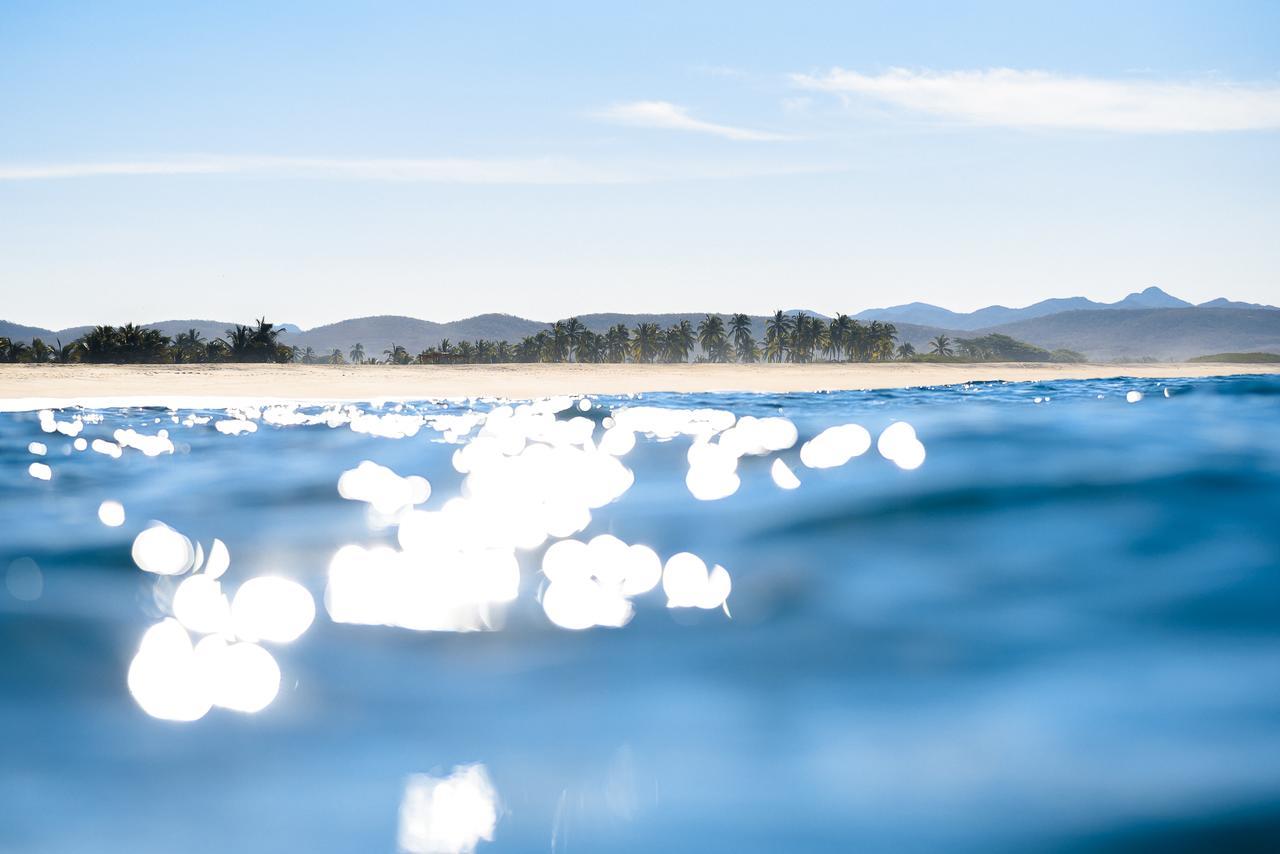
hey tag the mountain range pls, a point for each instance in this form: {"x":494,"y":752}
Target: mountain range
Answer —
{"x":1147,"y":324}
{"x":996,"y":315}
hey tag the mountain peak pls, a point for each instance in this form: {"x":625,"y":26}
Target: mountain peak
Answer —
{"x":1152,"y":297}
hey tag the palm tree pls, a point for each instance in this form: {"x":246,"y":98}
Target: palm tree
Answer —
{"x":883,"y":341}
{"x":559,"y":343}
{"x":466,"y":351}
{"x":129,"y":343}
{"x":777,"y":333}
{"x":617,"y":342}
{"x":13,"y":351}
{"x":573,"y":331}
{"x":941,"y":346}
{"x":879,"y":340}
{"x":189,"y":345}
{"x":712,"y":338}
{"x":906,"y":350}
{"x":590,"y":347}
{"x":804,"y":337}
{"x":99,"y":344}
{"x":646,"y":343}
{"x":258,"y":343}
{"x":357,"y":354}
{"x":856,"y":341}
{"x":239,"y":340}
{"x":261,"y":343}
{"x":680,"y":339}
{"x":65,"y":352}
{"x":840,"y":331}
{"x":142,"y":344}
{"x":40,"y":351}
{"x":529,"y":349}
{"x":216,"y":351}
{"x":744,"y":342}
{"x":335,"y":357}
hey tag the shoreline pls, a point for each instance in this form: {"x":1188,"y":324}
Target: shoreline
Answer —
{"x":27,"y":386}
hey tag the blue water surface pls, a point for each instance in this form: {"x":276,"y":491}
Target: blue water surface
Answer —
{"x":1061,"y":632}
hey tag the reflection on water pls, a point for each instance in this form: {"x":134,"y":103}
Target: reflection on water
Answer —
{"x":448,"y":815}
{"x":1036,"y":616}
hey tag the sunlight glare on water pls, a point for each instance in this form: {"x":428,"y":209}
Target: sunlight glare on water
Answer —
{"x":272,"y":609}
{"x":448,"y":815}
{"x":688,"y":584}
{"x":898,"y":443}
{"x":163,"y":551}
{"x":164,"y":678}
{"x":835,"y":446}
{"x":201,"y":606}
{"x":111,"y":514}
{"x":875,"y":632}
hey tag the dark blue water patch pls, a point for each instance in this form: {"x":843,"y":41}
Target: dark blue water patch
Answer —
{"x":1060,"y":633}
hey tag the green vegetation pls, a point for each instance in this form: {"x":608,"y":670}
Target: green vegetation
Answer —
{"x":992,"y":348}
{"x":133,"y":344}
{"x":1240,"y":358}
{"x":796,"y":338}
{"x":1000,"y":348}
{"x":996,"y":347}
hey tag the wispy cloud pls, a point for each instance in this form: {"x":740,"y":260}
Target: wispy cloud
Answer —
{"x":548,"y":171}
{"x":429,"y":170}
{"x":1040,"y":99}
{"x":664,"y":114}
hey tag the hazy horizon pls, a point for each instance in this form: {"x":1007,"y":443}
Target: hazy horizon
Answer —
{"x":285,"y":320}
{"x":438,"y":161}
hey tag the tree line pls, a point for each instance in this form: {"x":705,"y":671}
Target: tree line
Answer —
{"x":797,"y":338}
{"x":134,"y":344}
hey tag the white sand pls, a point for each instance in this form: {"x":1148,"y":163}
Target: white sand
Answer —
{"x":34,"y":386}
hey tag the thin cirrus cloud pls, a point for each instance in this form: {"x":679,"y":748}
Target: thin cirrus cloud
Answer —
{"x":537,"y":171}
{"x":428,"y":170}
{"x":1040,"y":99}
{"x":668,"y":116}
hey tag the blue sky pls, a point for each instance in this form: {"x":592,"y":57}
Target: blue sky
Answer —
{"x":314,"y":161}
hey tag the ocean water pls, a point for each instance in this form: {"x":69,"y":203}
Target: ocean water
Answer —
{"x":1060,"y":631}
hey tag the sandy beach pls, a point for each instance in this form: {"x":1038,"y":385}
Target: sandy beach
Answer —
{"x":22,"y":386}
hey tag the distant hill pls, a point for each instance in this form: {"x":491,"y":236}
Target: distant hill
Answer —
{"x":1240,"y":358}
{"x":994,"y":315}
{"x":1161,"y":333}
{"x":380,"y":332}
{"x":208,"y":329}
{"x":1147,"y":324}
{"x":1152,"y":297}
{"x":19,"y":332}
{"x":1223,"y":302}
